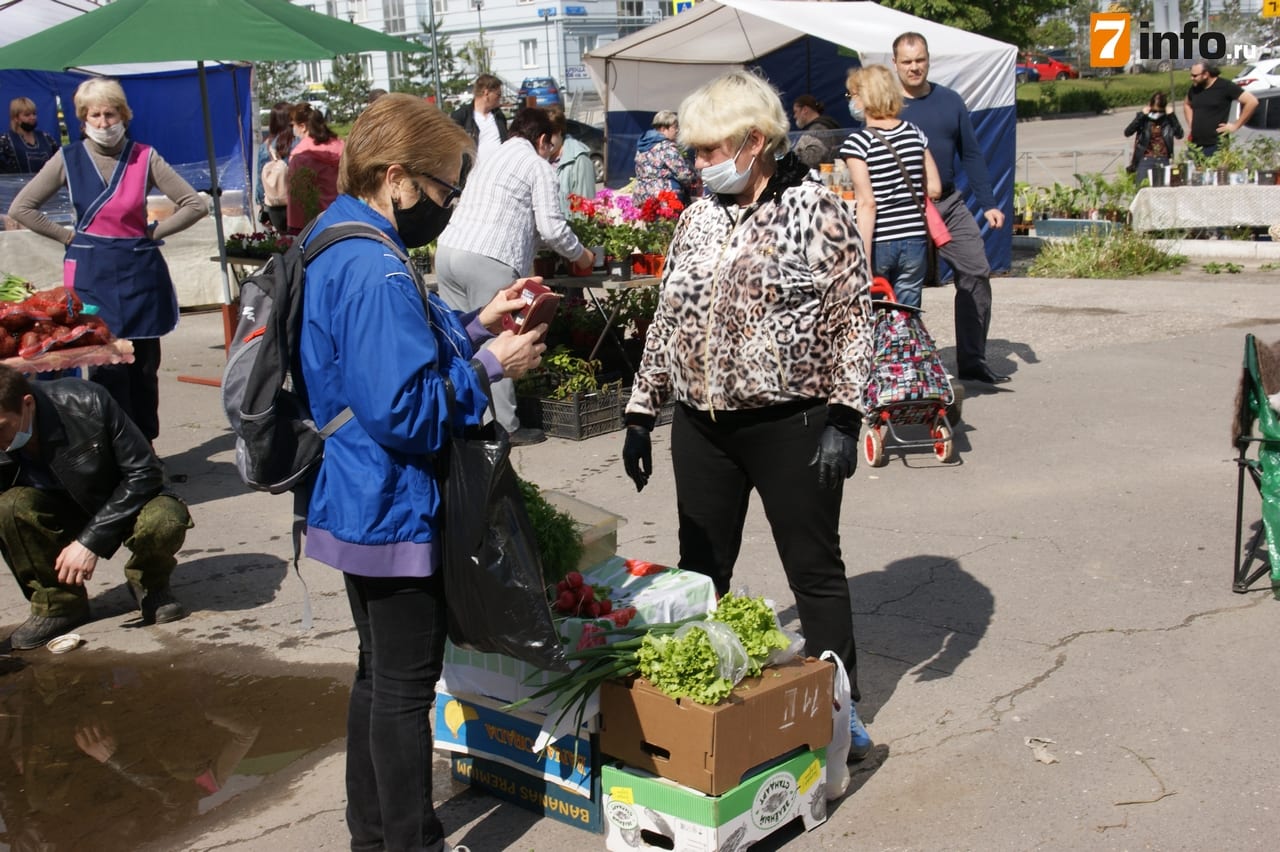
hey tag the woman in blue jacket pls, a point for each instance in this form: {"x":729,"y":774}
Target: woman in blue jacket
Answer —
{"x":374,"y":341}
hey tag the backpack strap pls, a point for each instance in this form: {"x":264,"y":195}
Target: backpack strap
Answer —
{"x":311,"y":249}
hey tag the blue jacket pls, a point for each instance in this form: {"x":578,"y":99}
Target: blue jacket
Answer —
{"x":367,"y":343}
{"x":650,"y":138}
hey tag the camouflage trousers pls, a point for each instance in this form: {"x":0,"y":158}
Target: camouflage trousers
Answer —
{"x":35,"y":525}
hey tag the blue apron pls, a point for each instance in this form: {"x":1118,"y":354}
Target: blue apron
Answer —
{"x":112,"y":262}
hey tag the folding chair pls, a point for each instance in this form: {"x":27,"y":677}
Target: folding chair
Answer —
{"x":1257,"y":425}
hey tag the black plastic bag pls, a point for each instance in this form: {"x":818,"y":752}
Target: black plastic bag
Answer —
{"x":494,"y":589}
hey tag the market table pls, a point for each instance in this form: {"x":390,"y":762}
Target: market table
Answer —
{"x":115,"y":352}
{"x":589,"y":285}
{"x":1157,"y":208}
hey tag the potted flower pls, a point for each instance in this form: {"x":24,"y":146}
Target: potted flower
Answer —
{"x":259,"y":244}
{"x":620,"y":242}
{"x":659,"y":216}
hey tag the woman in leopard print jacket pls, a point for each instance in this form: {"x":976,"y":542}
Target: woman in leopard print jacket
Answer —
{"x":763,"y":335}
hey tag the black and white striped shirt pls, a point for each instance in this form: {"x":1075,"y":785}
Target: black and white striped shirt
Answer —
{"x":897,"y":215}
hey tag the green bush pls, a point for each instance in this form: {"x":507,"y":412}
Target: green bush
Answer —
{"x":1117,"y":254}
{"x":1028,"y":107}
{"x":1081,"y":100}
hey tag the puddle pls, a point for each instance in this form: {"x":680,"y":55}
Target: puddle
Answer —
{"x":107,"y":751}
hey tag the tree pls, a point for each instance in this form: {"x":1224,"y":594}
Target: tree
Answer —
{"x":275,"y":82}
{"x":419,"y":72}
{"x":348,"y":88}
{"x":1007,"y":20}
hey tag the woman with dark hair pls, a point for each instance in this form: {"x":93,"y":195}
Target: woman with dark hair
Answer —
{"x":512,"y":201}
{"x":278,"y":145}
{"x":1156,"y":128}
{"x":377,"y":344}
{"x":313,"y":166}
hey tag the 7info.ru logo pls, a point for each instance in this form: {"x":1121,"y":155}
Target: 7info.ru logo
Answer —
{"x":1110,"y":41}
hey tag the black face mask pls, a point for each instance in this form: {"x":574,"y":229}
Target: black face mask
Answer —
{"x":27,"y":126}
{"x":422,"y":222}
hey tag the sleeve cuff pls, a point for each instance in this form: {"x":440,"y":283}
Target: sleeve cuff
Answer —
{"x":844,"y":418}
{"x":492,"y":367}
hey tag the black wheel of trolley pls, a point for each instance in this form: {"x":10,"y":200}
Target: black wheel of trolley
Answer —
{"x":944,"y":446}
{"x":873,"y":447}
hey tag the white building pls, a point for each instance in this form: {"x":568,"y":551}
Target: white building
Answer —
{"x":523,"y":38}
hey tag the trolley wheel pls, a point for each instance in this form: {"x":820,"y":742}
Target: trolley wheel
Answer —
{"x":873,"y":447}
{"x":943,"y":445}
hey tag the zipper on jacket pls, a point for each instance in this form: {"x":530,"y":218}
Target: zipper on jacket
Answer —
{"x":743,"y":216}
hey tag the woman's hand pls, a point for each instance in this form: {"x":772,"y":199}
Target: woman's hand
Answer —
{"x":519,"y":353}
{"x":584,"y":261}
{"x":505,"y":302}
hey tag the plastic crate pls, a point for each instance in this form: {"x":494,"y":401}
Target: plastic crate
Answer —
{"x":583,"y":415}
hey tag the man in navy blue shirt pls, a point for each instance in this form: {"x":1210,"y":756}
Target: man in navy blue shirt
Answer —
{"x":942,"y":115}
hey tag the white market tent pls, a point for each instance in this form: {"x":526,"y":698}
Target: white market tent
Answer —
{"x":803,"y":47}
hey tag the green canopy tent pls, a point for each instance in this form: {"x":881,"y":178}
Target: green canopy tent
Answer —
{"x":132,"y":31}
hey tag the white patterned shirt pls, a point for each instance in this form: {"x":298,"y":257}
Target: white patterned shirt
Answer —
{"x":511,"y":199}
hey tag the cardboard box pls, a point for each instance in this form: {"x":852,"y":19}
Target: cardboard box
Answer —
{"x":711,"y":748}
{"x":532,"y":792}
{"x":478,"y":728}
{"x":643,"y":812}
{"x":659,"y":594}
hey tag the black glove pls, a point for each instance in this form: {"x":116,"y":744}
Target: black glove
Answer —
{"x":836,"y":457}
{"x":637,"y":456}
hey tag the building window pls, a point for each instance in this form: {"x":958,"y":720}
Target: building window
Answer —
{"x":442,"y":6}
{"x":529,"y":52}
{"x":331,"y":8}
{"x":359,"y":10}
{"x":630,"y":8}
{"x":393,"y":14}
{"x":366,"y":66}
{"x":311,"y":73}
{"x":525,"y":2}
{"x":587,"y":43}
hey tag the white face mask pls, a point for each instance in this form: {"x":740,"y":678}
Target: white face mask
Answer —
{"x":107,"y":137}
{"x":724,"y":178}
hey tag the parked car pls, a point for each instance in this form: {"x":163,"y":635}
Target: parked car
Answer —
{"x":1265,"y":120}
{"x":544,"y":90}
{"x":1023,"y":73}
{"x":1137,"y":65}
{"x":1078,"y":61}
{"x":1050,"y":68}
{"x":1260,"y":75}
{"x":593,"y":138}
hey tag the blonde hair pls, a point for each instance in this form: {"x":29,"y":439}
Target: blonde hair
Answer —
{"x":17,"y":107}
{"x":399,"y":128}
{"x":730,"y":107}
{"x":879,"y":90}
{"x":101,"y":90}
{"x":664,"y":118}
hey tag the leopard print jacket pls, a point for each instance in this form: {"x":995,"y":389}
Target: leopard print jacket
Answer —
{"x":760,"y":305}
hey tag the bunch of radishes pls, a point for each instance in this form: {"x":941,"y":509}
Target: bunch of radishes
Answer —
{"x":574,"y":596}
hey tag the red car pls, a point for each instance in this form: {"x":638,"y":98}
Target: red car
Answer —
{"x":1050,"y":68}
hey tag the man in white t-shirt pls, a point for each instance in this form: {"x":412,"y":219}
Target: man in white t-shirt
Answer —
{"x":481,"y":118}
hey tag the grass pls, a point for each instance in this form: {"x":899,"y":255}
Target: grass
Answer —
{"x":1120,"y":89}
{"x":1118,"y":254}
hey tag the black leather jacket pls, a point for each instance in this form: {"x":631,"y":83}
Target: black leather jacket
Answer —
{"x":465,"y":116}
{"x":98,"y":455}
{"x":1142,"y":125}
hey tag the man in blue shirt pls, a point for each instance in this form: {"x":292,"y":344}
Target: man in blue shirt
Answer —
{"x":942,"y":115}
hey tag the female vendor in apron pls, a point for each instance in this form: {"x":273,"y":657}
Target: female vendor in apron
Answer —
{"x":113,"y":255}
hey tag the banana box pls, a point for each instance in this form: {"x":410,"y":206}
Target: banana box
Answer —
{"x":476,"y":727}
{"x":532,"y":792}
{"x":643,"y":811}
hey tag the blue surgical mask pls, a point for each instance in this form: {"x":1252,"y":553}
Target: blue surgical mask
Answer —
{"x":724,"y":178}
{"x":20,"y":440}
{"x":856,"y":111}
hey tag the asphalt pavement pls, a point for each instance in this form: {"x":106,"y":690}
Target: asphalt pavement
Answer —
{"x":1067,"y":579}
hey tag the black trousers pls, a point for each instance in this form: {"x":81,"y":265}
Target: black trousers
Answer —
{"x":136,"y":387}
{"x":400,"y":622}
{"x":718,"y":463}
